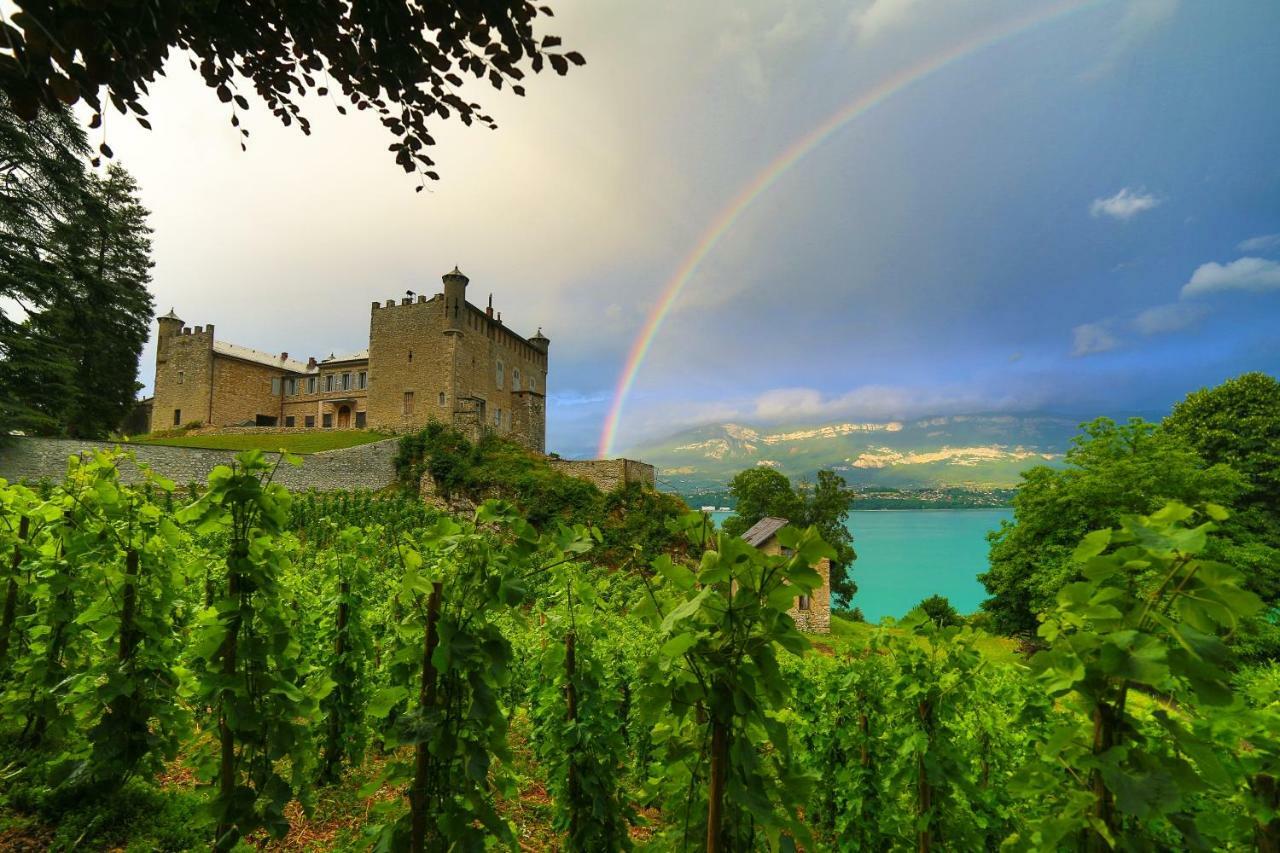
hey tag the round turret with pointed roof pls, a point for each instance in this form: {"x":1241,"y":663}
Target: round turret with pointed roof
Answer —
{"x":540,"y":340}
{"x":455,"y":273}
{"x":171,"y":316}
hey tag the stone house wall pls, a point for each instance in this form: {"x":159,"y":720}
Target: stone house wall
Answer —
{"x":816,"y":618}
{"x":367,"y":466}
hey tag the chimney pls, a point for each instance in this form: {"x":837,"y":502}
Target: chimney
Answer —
{"x":488,"y":312}
{"x":311,"y":362}
{"x":499,"y":317}
{"x":284,"y":356}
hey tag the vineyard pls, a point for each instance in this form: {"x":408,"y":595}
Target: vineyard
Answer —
{"x":231,"y":665}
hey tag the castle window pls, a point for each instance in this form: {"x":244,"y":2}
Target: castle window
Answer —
{"x":328,"y":382}
{"x":442,"y":398}
{"x":182,"y":377}
{"x":275,"y":386}
{"x":802,"y":603}
{"x":311,"y":385}
{"x":362,"y":379}
{"x":177,"y":417}
{"x":360,"y":419}
{"x":408,"y":402}
{"x":515,"y":379}
{"x":346,"y":382}
{"x":500,"y":374}
{"x":288,"y":420}
{"x":291,"y":387}
{"x":411,"y":356}
{"x":497,"y":417}
{"x":326,"y":420}
{"x":309,"y":421}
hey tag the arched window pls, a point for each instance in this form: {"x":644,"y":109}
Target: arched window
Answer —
{"x":515,"y":379}
{"x":501,"y":374}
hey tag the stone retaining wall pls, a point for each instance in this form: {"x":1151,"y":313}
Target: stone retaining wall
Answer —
{"x":366,"y":466}
{"x":607,"y":474}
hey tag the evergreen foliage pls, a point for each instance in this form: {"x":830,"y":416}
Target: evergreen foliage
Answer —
{"x":75,"y":257}
{"x":403,"y":60}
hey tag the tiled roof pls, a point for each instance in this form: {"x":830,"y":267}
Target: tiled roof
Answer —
{"x":762,"y":531}
{"x":259,"y":357}
{"x":358,"y":355}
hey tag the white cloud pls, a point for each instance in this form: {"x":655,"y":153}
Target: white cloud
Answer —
{"x":1255,"y":275}
{"x":1124,"y":205}
{"x":884,"y":15}
{"x":1261,"y":243}
{"x":1092,"y":338}
{"x":1140,"y":19}
{"x":1163,"y":319}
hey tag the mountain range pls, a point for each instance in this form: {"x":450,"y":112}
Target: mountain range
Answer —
{"x":979,"y":451}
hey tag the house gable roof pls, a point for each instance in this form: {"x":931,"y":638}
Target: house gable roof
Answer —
{"x":763,"y":530}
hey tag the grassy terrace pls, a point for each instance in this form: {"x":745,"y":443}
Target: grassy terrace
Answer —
{"x":294,"y":442}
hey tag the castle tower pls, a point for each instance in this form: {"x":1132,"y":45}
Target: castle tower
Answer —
{"x":540,"y":341}
{"x":170,"y":327}
{"x":455,"y":301}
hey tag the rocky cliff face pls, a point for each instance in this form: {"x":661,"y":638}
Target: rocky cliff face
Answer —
{"x":981,"y":451}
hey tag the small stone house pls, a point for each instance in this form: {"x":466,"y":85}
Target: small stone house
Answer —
{"x":811,"y":612}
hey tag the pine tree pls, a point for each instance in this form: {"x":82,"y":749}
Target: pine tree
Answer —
{"x":105,"y":255}
{"x":75,"y":260}
{"x":42,"y":180}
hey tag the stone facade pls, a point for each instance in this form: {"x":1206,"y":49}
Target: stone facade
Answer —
{"x":367,"y":466}
{"x":434,"y":358}
{"x":606,"y":474}
{"x":811,"y":613}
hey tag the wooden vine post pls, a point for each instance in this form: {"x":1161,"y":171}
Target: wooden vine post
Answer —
{"x":227,"y":738}
{"x":924,"y":790}
{"x":1267,"y":835}
{"x":128,"y":609}
{"x":571,"y":703}
{"x":333,"y":749}
{"x":426,"y":699}
{"x":11,"y":593}
{"x":719,"y":768}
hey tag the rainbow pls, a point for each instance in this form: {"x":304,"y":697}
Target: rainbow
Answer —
{"x":796,"y":152}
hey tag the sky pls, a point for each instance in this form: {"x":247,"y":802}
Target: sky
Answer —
{"x":1080,"y":216}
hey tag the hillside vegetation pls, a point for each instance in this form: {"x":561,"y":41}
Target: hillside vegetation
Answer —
{"x":555,"y":668}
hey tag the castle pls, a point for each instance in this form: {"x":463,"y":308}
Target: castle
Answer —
{"x":430,"y":359}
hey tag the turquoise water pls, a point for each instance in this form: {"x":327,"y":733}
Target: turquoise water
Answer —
{"x":906,"y":555}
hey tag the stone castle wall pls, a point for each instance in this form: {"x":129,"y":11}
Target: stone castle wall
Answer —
{"x":453,"y":373}
{"x":367,"y":466}
{"x":242,"y":391}
{"x":606,"y":474}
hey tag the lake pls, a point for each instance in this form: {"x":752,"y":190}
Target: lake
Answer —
{"x":905,"y":555}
